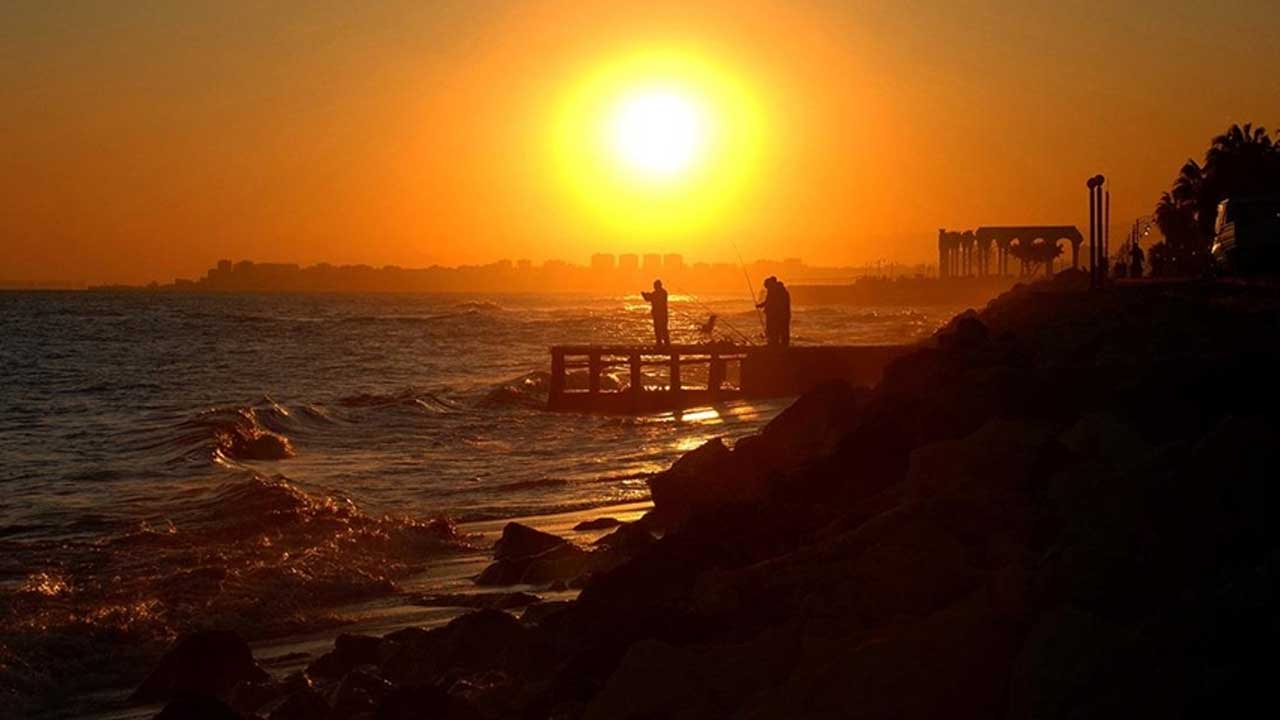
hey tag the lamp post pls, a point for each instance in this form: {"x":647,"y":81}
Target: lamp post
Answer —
{"x":1096,"y":248}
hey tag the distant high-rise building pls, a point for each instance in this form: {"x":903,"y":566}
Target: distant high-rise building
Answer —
{"x":628,"y":262}
{"x":673,"y":262}
{"x":602,"y":262}
{"x":524,"y":264}
{"x":224,"y":266}
{"x":652,"y":262}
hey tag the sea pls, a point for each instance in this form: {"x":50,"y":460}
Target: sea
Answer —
{"x":290,"y":465}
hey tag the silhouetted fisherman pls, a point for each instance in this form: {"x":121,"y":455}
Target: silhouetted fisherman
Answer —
{"x":658,"y":299}
{"x":777,"y":312}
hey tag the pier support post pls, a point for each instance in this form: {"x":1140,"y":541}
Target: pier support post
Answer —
{"x":556,"y":385}
{"x":593,"y":373}
{"x":675,"y":372}
{"x":637,"y":377}
{"x":715,"y":374}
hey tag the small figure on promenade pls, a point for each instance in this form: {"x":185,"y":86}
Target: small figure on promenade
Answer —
{"x":1136,"y":259}
{"x":658,"y":299}
{"x":777,"y":312}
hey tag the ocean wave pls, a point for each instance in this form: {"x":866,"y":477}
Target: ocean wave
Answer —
{"x":241,"y":433}
{"x":256,"y":554}
{"x":459,"y":311}
{"x":528,"y":391}
{"x":409,"y":397}
{"x":531,"y":389}
{"x":479,"y":305}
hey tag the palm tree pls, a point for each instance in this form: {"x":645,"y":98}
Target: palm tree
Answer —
{"x":1241,"y":161}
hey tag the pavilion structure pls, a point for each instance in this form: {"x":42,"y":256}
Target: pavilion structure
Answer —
{"x":969,"y":253}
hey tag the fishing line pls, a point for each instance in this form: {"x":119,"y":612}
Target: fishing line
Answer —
{"x":751,"y":287}
{"x":743,"y":337}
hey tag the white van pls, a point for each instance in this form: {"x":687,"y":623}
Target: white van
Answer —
{"x":1246,"y":236}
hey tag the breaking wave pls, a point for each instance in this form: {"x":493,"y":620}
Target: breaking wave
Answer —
{"x":251,"y":432}
{"x":408,"y":398}
{"x":531,"y":389}
{"x":256,"y":554}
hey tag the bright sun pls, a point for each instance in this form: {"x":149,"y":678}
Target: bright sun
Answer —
{"x":657,"y":143}
{"x":657,"y":133}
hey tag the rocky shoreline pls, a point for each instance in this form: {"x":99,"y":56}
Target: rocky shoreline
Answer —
{"x":1054,"y":508}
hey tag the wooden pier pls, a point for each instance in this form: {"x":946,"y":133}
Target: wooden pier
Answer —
{"x":646,"y":378}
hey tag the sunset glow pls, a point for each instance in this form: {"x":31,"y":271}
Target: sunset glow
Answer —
{"x":661,"y":142}
{"x":415,"y":134}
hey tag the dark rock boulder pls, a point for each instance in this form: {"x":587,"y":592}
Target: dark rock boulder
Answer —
{"x":209,"y":662}
{"x":562,"y":562}
{"x":185,"y":706}
{"x":304,"y":703}
{"x":348,"y":652}
{"x":521,"y":541}
{"x":953,"y":664}
{"x":656,"y":679}
{"x":524,"y":555}
{"x":423,"y":702}
{"x":964,"y":332}
{"x":486,"y":640}
{"x":808,"y":428}
{"x":628,"y":539}
{"x":254,"y":699}
{"x":706,"y":478}
{"x":247,"y":697}
{"x":997,"y":460}
{"x":545,"y":611}
{"x":603,"y":523}
{"x":359,"y":692}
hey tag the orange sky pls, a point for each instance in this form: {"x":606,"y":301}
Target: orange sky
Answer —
{"x":146,"y":139}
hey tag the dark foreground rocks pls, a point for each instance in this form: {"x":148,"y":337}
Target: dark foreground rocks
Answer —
{"x":207,"y":663}
{"x":1055,"y":509}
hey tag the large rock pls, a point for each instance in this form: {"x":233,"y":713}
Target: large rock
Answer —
{"x":196,"y":707}
{"x":486,"y":640}
{"x":954,"y":664}
{"x":348,"y":652}
{"x":209,"y":662}
{"x":706,"y":478}
{"x":808,"y":428}
{"x":521,"y":541}
{"x":628,"y":539}
{"x":563,"y":562}
{"x":524,"y":555}
{"x":359,"y":692}
{"x":303,"y":703}
{"x":419,"y":702}
{"x":996,"y":461}
{"x":656,"y":679}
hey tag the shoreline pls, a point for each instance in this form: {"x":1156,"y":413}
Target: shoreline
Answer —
{"x":284,"y":655}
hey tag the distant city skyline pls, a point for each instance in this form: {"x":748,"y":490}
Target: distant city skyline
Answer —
{"x":602,"y":271}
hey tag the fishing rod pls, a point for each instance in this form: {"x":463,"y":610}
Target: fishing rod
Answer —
{"x":743,"y":337}
{"x":751,"y":287}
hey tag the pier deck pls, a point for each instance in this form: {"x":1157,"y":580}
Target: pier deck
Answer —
{"x":646,"y":378}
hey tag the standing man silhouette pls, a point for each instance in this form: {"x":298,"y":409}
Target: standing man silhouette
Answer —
{"x":658,"y":299}
{"x":777,"y":312}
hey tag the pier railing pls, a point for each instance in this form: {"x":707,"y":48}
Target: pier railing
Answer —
{"x":759,"y":372}
{"x":637,"y":395}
